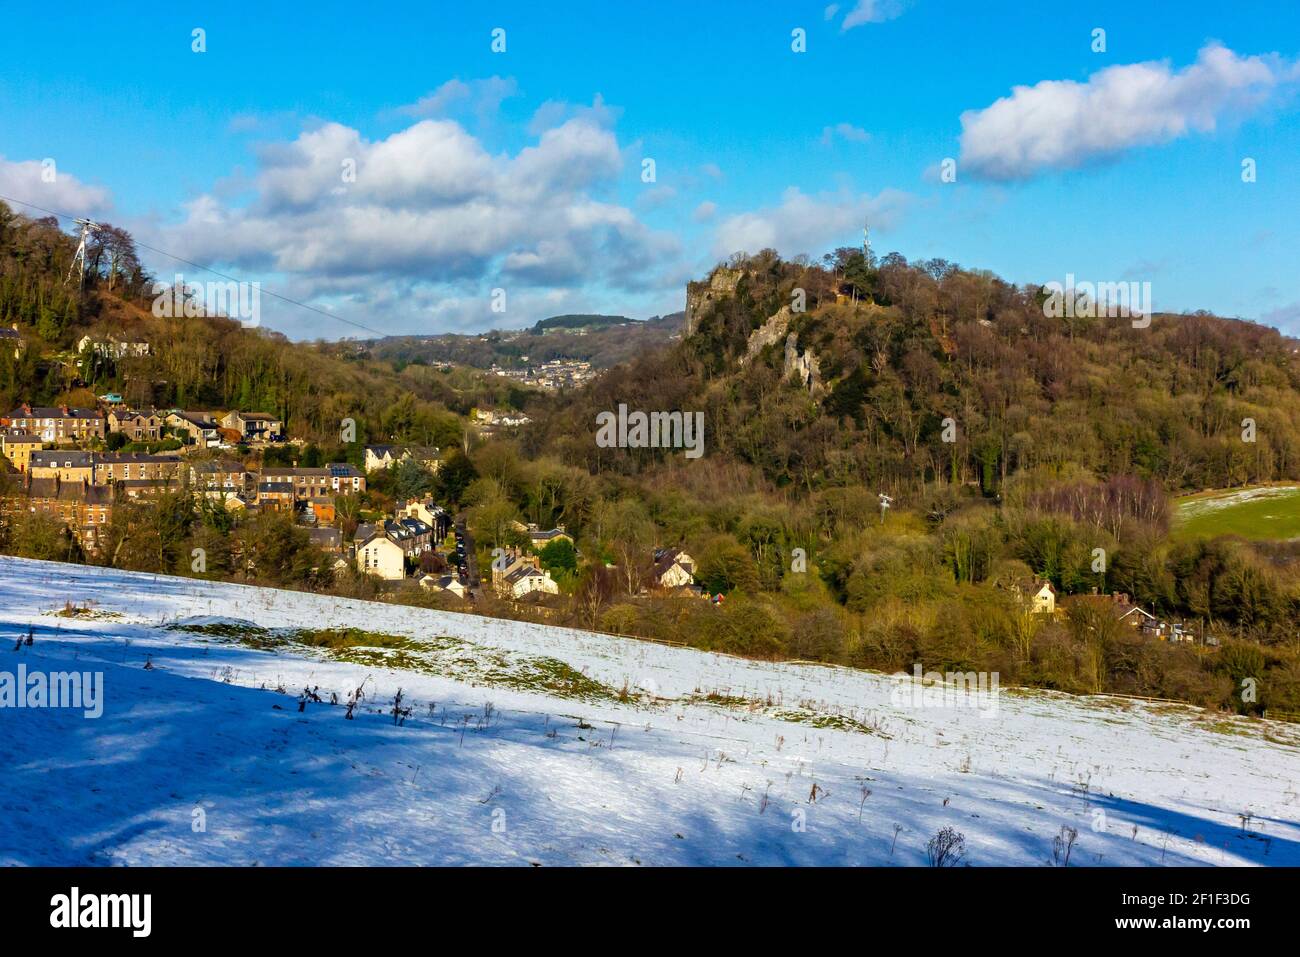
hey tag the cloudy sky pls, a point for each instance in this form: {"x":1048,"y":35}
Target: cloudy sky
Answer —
{"x":386,"y":165}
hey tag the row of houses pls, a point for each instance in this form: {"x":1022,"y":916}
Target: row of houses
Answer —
{"x":394,"y":549}
{"x":81,"y":488}
{"x":109,"y":468}
{"x":384,"y":457}
{"x":84,"y":508}
{"x":64,"y":425}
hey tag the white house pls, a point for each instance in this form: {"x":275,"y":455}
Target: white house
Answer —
{"x":382,"y":457}
{"x":448,"y":584}
{"x":527,"y":579}
{"x":380,"y":555}
{"x":1037,"y":597}
{"x":673,"y":568}
{"x":520,"y":577}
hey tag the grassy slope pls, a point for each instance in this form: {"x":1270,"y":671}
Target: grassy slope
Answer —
{"x":1261,"y":513}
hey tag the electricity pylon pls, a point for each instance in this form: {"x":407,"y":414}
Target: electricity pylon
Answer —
{"x":87,"y":227}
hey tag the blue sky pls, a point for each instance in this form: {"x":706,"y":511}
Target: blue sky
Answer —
{"x":522,"y":170}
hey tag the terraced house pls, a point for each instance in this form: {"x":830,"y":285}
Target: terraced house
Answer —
{"x":219,"y":475}
{"x":336,"y":478}
{"x":276,"y":496}
{"x":67,"y":465}
{"x":60,"y":426}
{"x":85,"y":509}
{"x":113,"y":467}
{"x":254,"y":426}
{"x":17,"y":446}
{"x":136,"y":426}
{"x":306,"y":483}
{"x":378,"y":554}
{"x":199,"y":428}
{"x":346,"y":479}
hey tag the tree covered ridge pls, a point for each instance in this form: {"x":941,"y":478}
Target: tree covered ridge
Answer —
{"x":931,"y":341}
{"x":208,"y":363}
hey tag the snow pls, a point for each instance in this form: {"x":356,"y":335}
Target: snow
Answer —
{"x":506,"y":759}
{"x":1194,"y":507}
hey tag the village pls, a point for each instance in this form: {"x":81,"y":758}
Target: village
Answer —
{"x":77,"y":465}
{"x":551,"y":375}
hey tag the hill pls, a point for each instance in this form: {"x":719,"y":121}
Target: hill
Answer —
{"x":1014,"y":446}
{"x":604,"y":344}
{"x":198,"y":361}
{"x":574,"y":322}
{"x":529,"y":744}
{"x":928,"y":344}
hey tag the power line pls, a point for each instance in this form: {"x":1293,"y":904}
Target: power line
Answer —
{"x":215,"y":272}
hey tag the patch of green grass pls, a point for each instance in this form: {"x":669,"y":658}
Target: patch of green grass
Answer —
{"x":1265,"y":513}
{"x":242,"y":632}
{"x":802,"y":715}
{"x":442,"y":656}
{"x":834,"y":722}
{"x":338,"y":638}
{"x":72,"y":611}
{"x":554,"y":677}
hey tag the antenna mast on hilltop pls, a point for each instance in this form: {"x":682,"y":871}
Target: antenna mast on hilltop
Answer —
{"x":87,"y":227}
{"x":866,"y":242}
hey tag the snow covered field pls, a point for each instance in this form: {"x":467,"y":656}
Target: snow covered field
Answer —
{"x":536,"y":745}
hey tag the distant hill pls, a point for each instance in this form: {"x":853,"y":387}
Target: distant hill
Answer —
{"x":604,"y":341}
{"x":576,"y":321}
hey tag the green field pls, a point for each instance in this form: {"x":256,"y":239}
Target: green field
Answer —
{"x":1261,"y":513}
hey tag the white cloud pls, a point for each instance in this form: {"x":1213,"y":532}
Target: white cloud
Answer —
{"x":1061,"y":124}
{"x":705,"y":211}
{"x":45,"y":185}
{"x":804,"y":223}
{"x":482,"y":96}
{"x":656,"y":197}
{"x":552,"y":113}
{"x":869,"y":11}
{"x":432,"y":215}
{"x":845,"y":131}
